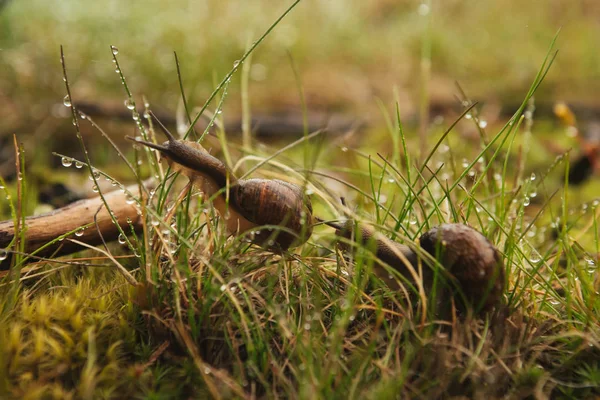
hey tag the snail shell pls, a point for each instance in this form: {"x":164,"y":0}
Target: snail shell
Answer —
{"x":463,"y":251}
{"x":245,"y":204}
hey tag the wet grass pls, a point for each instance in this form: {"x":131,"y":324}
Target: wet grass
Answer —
{"x":215,"y":316}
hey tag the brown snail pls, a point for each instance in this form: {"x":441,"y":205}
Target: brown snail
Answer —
{"x":463,"y":252}
{"x":245,"y":204}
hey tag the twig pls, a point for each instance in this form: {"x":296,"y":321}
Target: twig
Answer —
{"x":44,"y":230}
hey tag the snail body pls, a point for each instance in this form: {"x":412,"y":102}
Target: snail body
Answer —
{"x":245,"y":204}
{"x":464,"y":252}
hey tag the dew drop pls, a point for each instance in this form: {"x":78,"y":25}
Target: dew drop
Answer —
{"x":469,"y":116}
{"x":79,"y":232}
{"x":114,"y":50}
{"x":532,"y":177}
{"x":95,"y":189}
{"x":344,"y":149}
{"x":67,"y":101}
{"x":534,"y":257}
{"x":482,"y":124}
{"x":236,"y":63}
{"x":3,"y":254}
{"x":130,"y":104}
{"x":78,"y":164}
{"x":590,"y":261}
{"x":412,"y":219}
{"x":66,"y":161}
{"x":122,"y":239}
{"x":129,"y":199}
{"x":526,"y":201}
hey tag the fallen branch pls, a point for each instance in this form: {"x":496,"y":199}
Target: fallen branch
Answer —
{"x":43,"y":229}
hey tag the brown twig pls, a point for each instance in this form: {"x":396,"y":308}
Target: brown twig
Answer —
{"x":45,"y":228}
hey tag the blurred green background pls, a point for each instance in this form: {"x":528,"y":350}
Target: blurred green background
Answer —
{"x":349,"y":52}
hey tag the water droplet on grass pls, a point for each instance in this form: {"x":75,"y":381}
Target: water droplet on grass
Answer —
{"x":79,"y":232}
{"x":130,"y":104}
{"x":78,"y":164}
{"x":66,"y":161}
{"x":535,"y":257}
{"x":3,"y":254}
{"x":114,"y":50}
{"x":122,"y":239}
{"x":67,"y":101}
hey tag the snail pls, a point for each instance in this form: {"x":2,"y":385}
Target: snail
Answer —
{"x":245,"y":204}
{"x":463,"y":252}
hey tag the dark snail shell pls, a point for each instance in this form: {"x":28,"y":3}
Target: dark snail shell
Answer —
{"x":274,"y":203}
{"x":472,"y":259}
{"x":465,"y":254}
